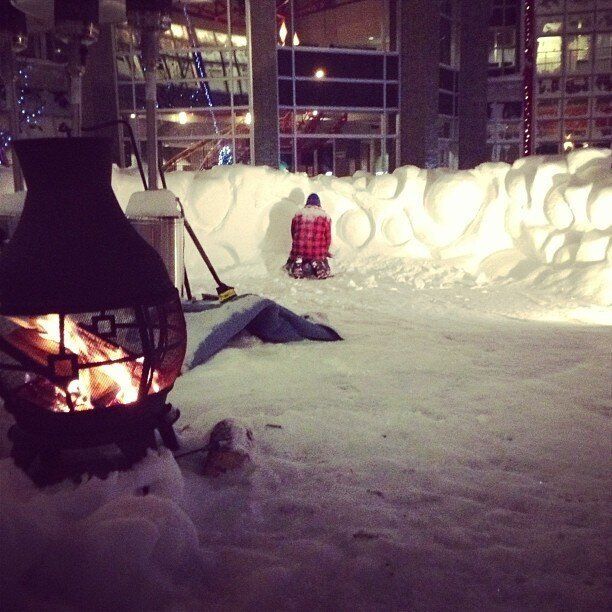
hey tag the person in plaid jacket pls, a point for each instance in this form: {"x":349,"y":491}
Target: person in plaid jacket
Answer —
{"x":311,"y":235}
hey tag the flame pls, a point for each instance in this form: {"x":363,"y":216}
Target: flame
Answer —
{"x":122,"y":378}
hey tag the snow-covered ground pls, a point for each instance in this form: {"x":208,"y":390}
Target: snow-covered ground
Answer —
{"x":453,"y":452}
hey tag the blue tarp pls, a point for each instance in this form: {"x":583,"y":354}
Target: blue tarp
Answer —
{"x":212,"y":325}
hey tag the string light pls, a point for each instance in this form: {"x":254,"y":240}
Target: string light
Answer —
{"x":5,"y":143}
{"x":226,"y":158}
{"x":28,"y":116}
{"x":199,"y":66}
{"x":528,"y":77}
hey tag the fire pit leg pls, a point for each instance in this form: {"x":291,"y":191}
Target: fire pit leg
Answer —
{"x":166,"y":431}
{"x":39,"y":461}
{"x":136,"y":446}
{"x":23,"y":451}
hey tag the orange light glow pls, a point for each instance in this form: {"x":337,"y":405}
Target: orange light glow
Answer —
{"x":104,"y":384}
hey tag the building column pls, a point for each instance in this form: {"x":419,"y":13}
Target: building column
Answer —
{"x":99,"y":90}
{"x":473,"y":41}
{"x":419,"y":67}
{"x":263,"y":69}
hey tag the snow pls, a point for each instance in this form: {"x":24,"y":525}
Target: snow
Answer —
{"x":157,"y":203}
{"x":550,"y":212}
{"x":451,"y":453}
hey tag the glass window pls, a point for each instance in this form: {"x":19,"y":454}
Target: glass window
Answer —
{"x":548,"y":108}
{"x":604,"y":20}
{"x":603,"y":52}
{"x":580,"y":22}
{"x":446,"y":41}
{"x":550,"y":26}
{"x":602,"y":128}
{"x":548,"y":57}
{"x":549,"y":87}
{"x":576,"y":85}
{"x":576,"y":107}
{"x":502,"y":47}
{"x":578,"y":53}
{"x":550,"y":6}
{"x":576,"y":128}
{"x":603,"y":83}
{"x":603,"y":106}
{"x":339,"y":93}
{"x":361,"y":24}
{"x":446,"y":104}
{"x":580,"y":5}
{"x":338,"y":65}
{"x":548,"y":130}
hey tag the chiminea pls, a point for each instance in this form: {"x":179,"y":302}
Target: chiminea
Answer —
{"x":92,"y":333}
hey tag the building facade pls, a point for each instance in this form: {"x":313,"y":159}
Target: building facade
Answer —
{"x":572,"y":86}
{"x":315,"y":86}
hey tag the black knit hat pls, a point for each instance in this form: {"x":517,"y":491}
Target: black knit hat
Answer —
{"x":313,"y":200}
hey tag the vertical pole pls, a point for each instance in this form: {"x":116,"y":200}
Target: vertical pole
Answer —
{"x":7,"y":67}
{"x":294,"y":142}
{"x":528,"y":76}
{"x":472,"y":103}
{"x":418,"y":33}
{"x":264,"y":80}
{"x":149,"y":52}
{"x":75,"y":78}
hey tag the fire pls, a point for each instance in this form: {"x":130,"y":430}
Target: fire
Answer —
{"x":105,"y":384}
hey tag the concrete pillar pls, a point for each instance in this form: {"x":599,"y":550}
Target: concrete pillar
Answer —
{"x":261,"y":26}
{"x":472,"y":101}
{"x":419,"y":67}
{"x":99,"y":90}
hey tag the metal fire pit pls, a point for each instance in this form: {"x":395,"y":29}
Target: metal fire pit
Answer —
{"x":92,"y":332}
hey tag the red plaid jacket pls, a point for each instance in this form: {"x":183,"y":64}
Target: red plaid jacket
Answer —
{"x":311,"y":233}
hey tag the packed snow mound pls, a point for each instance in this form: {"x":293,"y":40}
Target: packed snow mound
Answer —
{"x":544,"y":219}
{"x":144,"y":546}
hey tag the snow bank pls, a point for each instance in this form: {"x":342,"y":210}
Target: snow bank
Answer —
{"x":547,"y":220}
{"x":544,"y":219}
{"x":144,"y":546}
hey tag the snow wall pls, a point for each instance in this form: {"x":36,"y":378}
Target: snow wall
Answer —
{"x":546,"y":220}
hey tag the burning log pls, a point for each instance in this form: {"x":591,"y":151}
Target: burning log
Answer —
{"x":101,"y":383}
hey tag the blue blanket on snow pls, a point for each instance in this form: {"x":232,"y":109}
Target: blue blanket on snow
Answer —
{"x":213,"y":325}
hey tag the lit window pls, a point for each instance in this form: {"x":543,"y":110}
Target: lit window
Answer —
{"x":205,"y":37}
{"x":178,"y":31}
{"x":548,"y":59}
{"x":502,"y":47}
{"x":578,"y":53}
